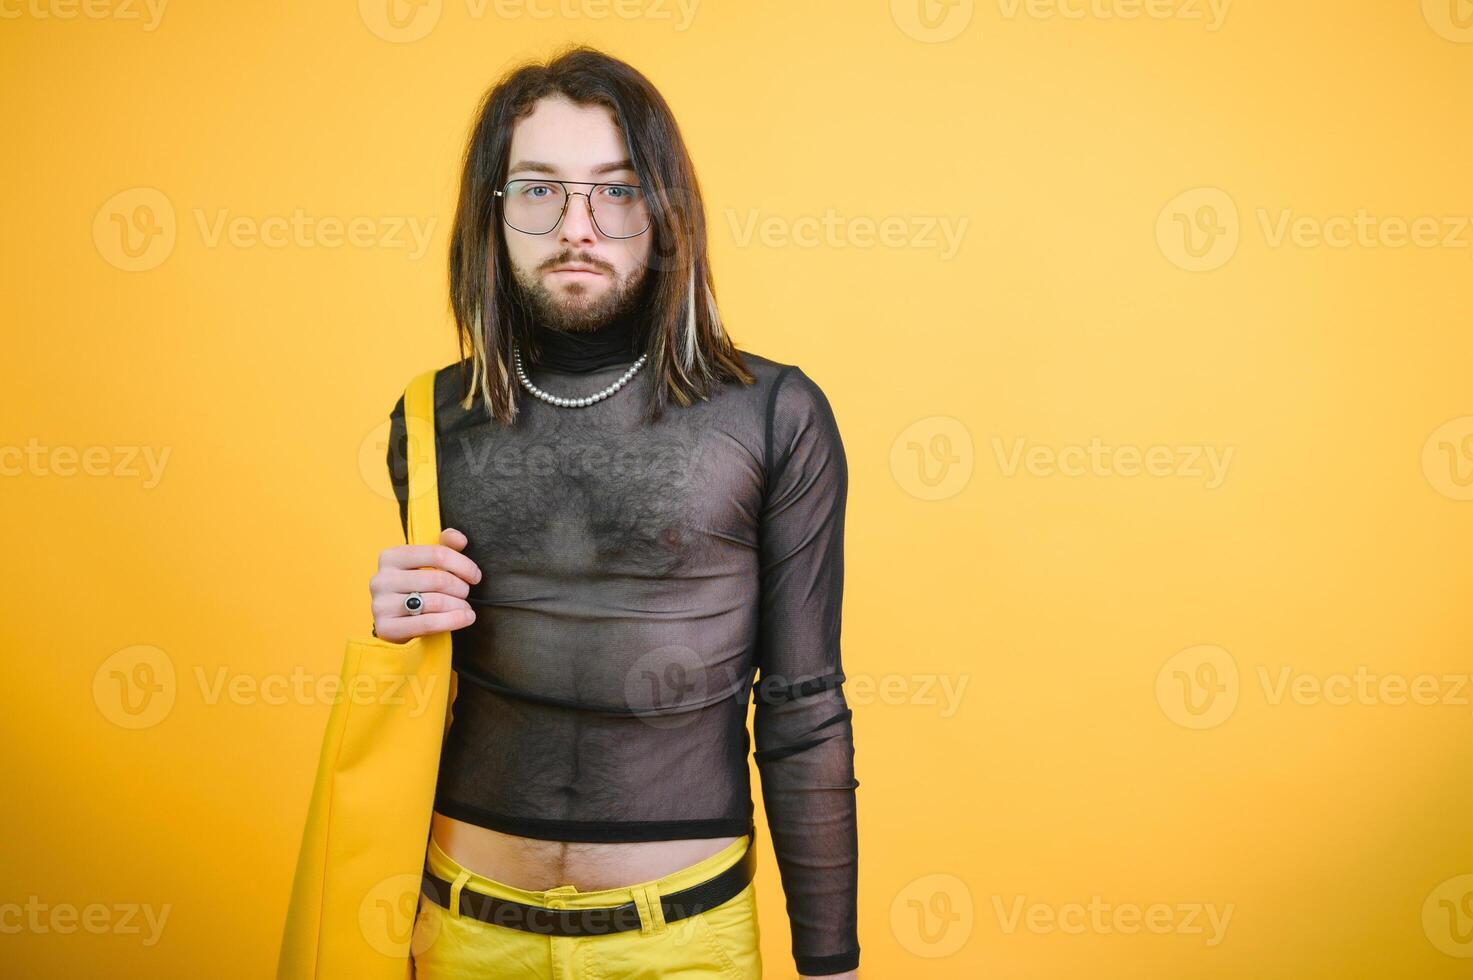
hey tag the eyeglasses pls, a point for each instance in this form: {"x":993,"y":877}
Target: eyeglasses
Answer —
{"x":535,"y":206}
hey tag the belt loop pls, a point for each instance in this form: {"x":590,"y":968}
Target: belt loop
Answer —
{"x":651,"y":912}
{"x":455,"y":887}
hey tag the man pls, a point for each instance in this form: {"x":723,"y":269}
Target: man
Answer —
{"x":640,"y":520}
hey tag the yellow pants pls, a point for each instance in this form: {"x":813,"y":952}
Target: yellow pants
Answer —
{"x":721,"y":942}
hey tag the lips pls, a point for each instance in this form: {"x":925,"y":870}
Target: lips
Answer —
{"x":577,"y":268}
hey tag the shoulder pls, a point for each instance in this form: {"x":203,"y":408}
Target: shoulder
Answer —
{"x":790,"y":390}
{"x":796,"y":412}
{"x":451,"y":383}
{"x":787,"y":383}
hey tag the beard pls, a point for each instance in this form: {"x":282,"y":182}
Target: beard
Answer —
{"x":571,"y":309}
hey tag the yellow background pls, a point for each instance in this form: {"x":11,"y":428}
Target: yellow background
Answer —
{"x":1076,"y":149}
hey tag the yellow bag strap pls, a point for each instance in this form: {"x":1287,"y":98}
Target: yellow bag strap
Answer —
{"x":424,"y":497}
{"x":424,"y":489}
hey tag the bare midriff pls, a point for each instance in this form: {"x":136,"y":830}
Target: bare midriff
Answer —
{"x":537,"y":865}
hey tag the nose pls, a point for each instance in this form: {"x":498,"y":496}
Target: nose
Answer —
{"x":577,"y":226}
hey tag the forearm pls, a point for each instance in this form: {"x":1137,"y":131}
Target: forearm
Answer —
{"x":806,"y":761}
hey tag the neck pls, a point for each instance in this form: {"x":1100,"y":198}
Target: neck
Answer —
{"x":580,"y":352}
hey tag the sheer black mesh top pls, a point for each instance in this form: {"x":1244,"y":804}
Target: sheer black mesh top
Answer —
{"x":641,"y":582}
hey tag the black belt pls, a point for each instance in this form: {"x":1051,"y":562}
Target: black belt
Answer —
{"x":598,"y":921}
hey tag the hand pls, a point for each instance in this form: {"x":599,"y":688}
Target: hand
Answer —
{"x":440,"y":573}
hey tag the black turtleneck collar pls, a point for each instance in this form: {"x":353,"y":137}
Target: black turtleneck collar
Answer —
{"x":560,"y":350}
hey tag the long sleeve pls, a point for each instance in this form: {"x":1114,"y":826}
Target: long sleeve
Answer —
{"x":802,"y":723}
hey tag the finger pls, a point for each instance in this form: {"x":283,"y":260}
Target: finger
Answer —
{"x":392,"y":604}
{"x":455,"y":540}
{"x":406,"y":580}
{"x":431,"y":556}
{"x":401,"y":628}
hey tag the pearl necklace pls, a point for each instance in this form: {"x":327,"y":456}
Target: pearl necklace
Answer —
{"x":582,"y":402}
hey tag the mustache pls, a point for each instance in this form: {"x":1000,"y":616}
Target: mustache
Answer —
{"x":551,"y":264}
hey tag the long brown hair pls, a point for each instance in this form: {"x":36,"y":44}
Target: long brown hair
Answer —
{"x":689,"y":351}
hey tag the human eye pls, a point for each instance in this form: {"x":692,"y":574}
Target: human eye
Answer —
{"x":621,"y":193}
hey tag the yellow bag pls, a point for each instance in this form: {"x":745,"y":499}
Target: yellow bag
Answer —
{"x":356,"y":889}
